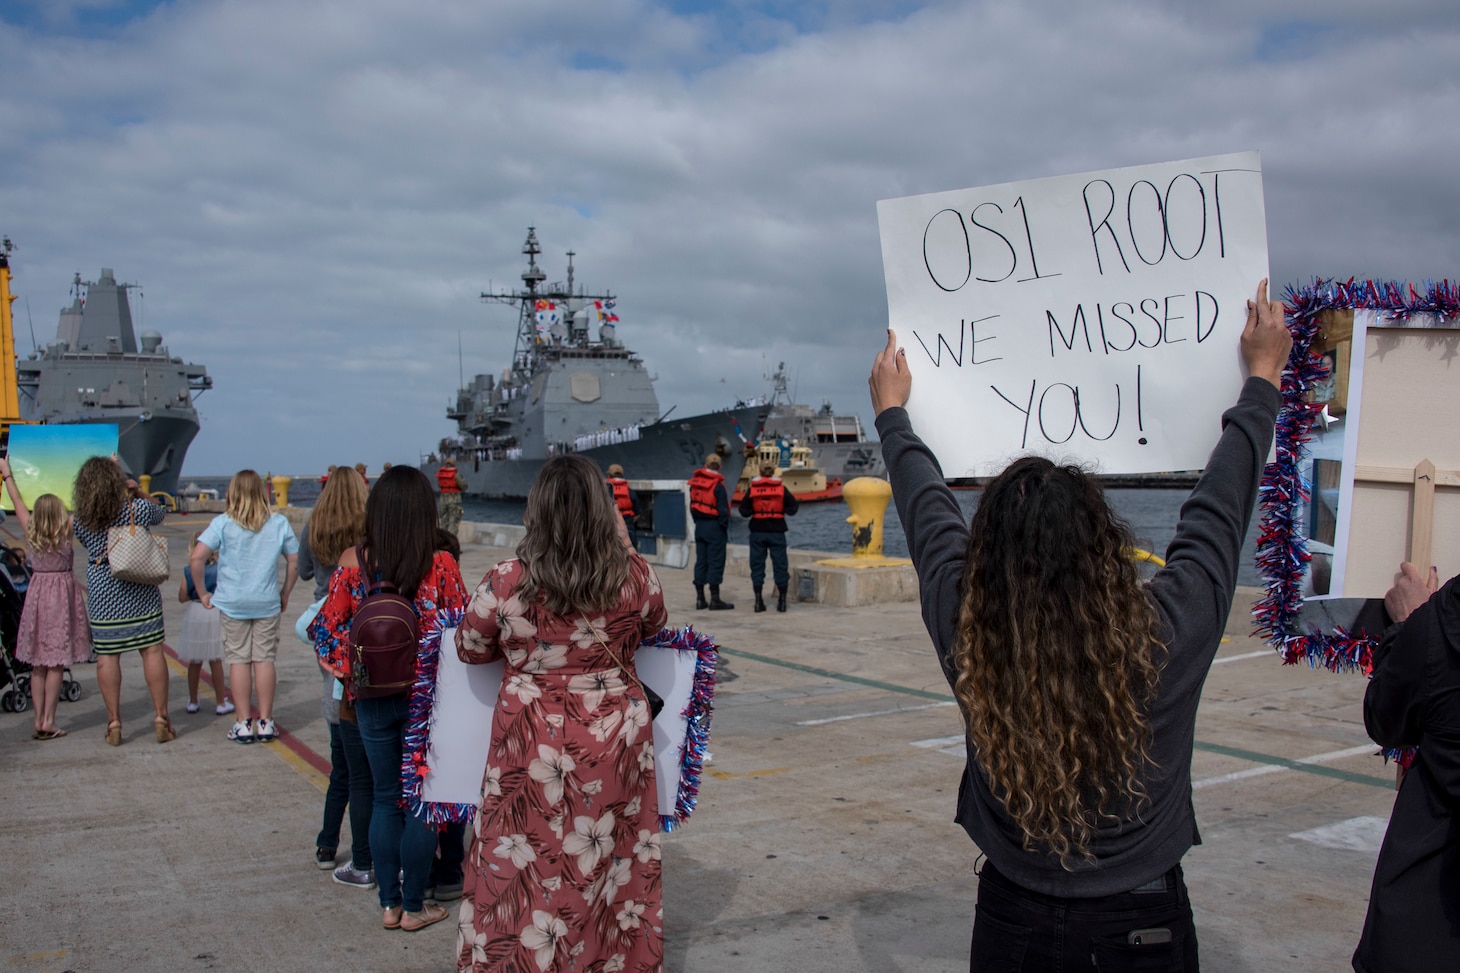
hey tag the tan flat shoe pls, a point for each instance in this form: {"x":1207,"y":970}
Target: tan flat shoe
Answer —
{"x":114,"y":735}
{"x":428,"y":916}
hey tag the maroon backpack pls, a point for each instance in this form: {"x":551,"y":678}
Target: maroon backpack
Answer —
{"x":385,"y":636}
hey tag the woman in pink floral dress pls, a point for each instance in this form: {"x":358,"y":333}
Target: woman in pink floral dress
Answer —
{"x":563,"y":873}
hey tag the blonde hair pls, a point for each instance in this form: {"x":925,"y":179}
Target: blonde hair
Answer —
{"x":338,"y":521}
{"x":248,"y":501}
{"x":48,"y":529}
{"x":572,"y":557}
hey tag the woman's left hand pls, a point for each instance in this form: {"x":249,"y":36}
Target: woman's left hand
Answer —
{"x":890,"y":381}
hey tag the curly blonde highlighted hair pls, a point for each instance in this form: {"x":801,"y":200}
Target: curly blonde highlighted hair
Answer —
{"x":1057,"y":658}
{"x":100,"y":493}
{"x":48,"y":529}
{"x":572,"y":556}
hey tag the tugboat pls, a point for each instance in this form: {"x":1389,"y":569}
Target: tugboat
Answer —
{"x":95,"y":372}
{"x":573,"y":387}
{"x":796,"y":468}
{"x":839,"y":446}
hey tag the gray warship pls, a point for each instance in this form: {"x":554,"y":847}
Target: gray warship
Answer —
{"x":95,"y":371}
{"x":573,"y":387}
{"x":840,"y":447}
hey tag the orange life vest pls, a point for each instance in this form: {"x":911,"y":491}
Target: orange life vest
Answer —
{"x":621,"y":495}
{"x":702,"y":491}
{"x":767,"y":498}
{"x":446,"y":479}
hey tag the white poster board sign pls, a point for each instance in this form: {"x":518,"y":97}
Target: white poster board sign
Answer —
{"x":466,"y":698}
{"x":1092,"y":318}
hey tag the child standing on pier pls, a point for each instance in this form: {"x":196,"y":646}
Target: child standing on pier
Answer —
{"x":54,"y":631}
{"x":249,"y":541}
{"x":202,"y":634}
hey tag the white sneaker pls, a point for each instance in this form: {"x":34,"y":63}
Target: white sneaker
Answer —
{"x":265,"y":731}
{"x":226,"y":708}
{"x":242,"y":732}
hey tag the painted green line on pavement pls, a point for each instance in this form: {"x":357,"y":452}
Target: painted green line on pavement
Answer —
{"x":1252,"y":756}
{"x":1322,"y":771}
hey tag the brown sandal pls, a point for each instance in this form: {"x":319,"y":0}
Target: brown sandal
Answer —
{"x":114,"y":734}
{"x":164,"y":729}
{"x":428,"y":916}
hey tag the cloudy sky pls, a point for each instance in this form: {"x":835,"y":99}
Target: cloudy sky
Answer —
{"x":313,"y":194}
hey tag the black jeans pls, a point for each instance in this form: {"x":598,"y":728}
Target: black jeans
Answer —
{"x":350,"y":785}
{"x":1015,"y":929}
{"x":710,"y":540}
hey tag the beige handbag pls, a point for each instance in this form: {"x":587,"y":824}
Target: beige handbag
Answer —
{"x":134,"y":554}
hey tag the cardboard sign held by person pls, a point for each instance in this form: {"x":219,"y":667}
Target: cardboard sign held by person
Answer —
{"x":1091,"y":318}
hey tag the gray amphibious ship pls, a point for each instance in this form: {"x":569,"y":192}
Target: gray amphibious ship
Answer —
{"x":573,"y":387}
{"x":95,"y":371}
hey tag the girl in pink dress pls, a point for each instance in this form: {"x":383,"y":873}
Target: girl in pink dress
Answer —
{"x":54,"y":632}
{"x":563,"y":873}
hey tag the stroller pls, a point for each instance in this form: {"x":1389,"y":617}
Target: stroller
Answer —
{"x":14,"y":674}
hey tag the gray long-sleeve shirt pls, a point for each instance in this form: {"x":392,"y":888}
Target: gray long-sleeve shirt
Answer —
{"x":1192,"y":596}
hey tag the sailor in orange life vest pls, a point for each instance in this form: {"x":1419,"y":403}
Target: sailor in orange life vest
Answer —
{"x":768,"y":503}
{"x":626,"y":500}
{"x":450,"y":483}
{"x":709,"y":506}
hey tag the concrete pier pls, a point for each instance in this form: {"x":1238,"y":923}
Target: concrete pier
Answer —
{"x":823,"y":839}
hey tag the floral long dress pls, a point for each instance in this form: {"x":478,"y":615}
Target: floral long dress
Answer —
{"x":563,"y":872}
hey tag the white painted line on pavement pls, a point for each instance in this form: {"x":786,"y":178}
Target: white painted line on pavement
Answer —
{"x":1317,"y":758}
{"x":953,"y":746}
{"x":880,"y":712}
{"x":1244,"y":655}
{"x":1356,"y":834}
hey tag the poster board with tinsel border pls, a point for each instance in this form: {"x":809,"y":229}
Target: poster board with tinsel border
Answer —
{"x":1409,"y":328}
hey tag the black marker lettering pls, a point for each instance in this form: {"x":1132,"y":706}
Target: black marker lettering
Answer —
{"x":1013,"y":255}
{"x":1166,"y":320}
{"x":1029,"y":239}
{"x":1155,"y":320}
{"x":941,"y":344}
{"x":1080,"y":415}
{"x":1026,"y":410}
{"x":1201,"y":195}
{"x":973,"y":352}
{"x":1200,"y":334}
{"x":1074,"y":419}
{"x":1104,"y":222}
{"x":1076,"y":326}
{"x":967,"y":250}
{"x":1115,"y":313}
{"x":1131,"y":225}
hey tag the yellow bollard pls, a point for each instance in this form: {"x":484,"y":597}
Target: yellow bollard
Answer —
{"x":145,"y":482}
{"x":867,"y":498}
{"x":281,"y":489}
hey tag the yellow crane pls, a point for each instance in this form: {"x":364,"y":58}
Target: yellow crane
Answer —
{"x":9,"y":391}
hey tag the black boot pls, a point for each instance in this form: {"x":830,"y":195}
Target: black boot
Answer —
{"x":716,"y":605}
{"x":759,"y":601}
{"x":700,"y":602}
{"x":780,"y":598}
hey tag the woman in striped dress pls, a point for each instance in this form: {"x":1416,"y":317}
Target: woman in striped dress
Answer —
{"x":125,"y":616}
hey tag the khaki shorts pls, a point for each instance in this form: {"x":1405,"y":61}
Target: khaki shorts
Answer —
{"x":248,"y":640}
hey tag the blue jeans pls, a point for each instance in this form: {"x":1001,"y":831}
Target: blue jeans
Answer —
{"x":350,"y":786}
{"x":452,"y":852}
{"x":1015,"y":929}
{"x":774,"y":544}
{"x":402,"y":845}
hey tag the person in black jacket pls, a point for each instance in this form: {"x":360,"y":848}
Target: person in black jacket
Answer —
{"x":1078,"y":684}
{"x":1413,"y":700}
{"x":709,"y":507}
{"x":768,"y":502}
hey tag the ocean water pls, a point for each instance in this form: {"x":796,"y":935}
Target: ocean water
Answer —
{"x":1152,"y":513}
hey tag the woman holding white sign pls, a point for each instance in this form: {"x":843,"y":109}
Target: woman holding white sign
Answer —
{"x":565,"y":861}
{"x":1078,"y":684}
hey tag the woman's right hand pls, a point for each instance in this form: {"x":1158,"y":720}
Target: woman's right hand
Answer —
{"x":1266,"y":340}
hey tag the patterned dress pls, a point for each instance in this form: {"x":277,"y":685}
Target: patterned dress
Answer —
{"x":124,"y":615}
{"x":563,"y":873}
{"x":53,"y":626}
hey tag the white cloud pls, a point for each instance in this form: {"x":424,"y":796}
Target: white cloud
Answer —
{"x":314,"y":194}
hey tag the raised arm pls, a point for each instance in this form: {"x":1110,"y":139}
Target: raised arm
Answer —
{"x":21,"y":513}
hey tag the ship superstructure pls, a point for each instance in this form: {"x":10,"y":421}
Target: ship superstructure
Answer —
{"x":840,"y":447}
{"x":96,"y":370}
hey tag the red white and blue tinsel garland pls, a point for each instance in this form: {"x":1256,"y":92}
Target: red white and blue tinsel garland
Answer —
{"x":697,"y":714}
{"x":1282,"y":550}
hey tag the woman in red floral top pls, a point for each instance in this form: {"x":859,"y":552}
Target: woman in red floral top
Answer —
{"x":564,"y":870}
{"x":399,"y":547}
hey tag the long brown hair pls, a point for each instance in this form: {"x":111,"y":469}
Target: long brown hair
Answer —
{"x":100,"y":493}
{"x":338,"y":520}
{"x":1057,"y":657}
{"x":572,"y":557}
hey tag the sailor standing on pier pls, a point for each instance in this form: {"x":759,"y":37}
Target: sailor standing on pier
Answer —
{"x":449,"y":480}
{"x":709,"y":505}
{"x":626,"y":500}
{"x":768,"y":502}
